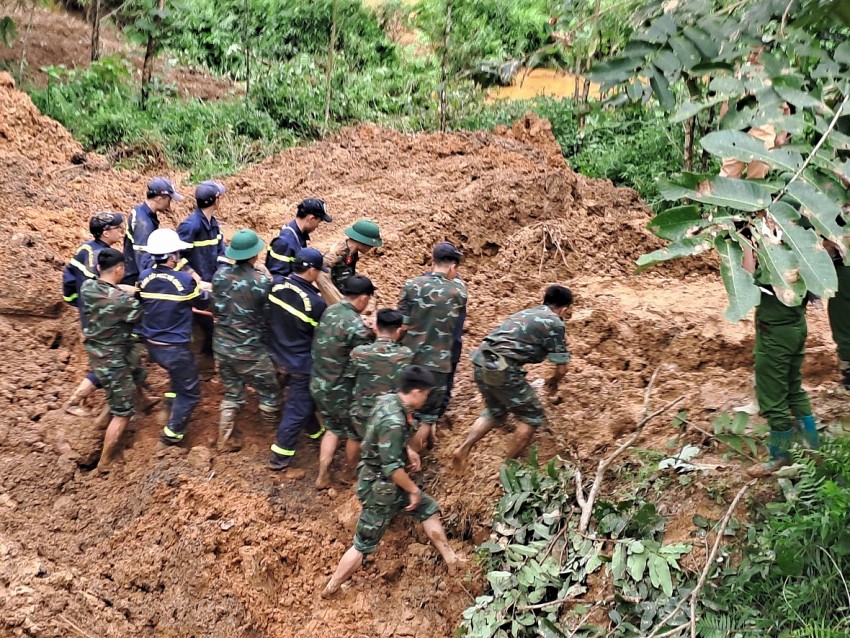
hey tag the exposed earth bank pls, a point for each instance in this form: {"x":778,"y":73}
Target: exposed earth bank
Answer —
{"x":199,"y":544}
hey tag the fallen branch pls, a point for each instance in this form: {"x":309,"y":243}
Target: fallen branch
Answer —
{"x":586,"y":504}
{"x":721,"y":441}
{"x":709,"y":562}
{"x":74,"y":627}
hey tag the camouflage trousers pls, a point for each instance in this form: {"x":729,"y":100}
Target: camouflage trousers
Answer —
{"x":259,"y":373}
{"x":516,"y":397}
{"x":121,"y":375}
{"x":382,"y":501}
{"x":434,"y":408}
{"x":333,"y":403}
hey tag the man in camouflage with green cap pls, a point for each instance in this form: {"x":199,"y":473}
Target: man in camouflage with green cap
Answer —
{"x":433,"y":304}
{"x":240,"y":305}
{"x":361,"y":237}
{"x":331,"y":383}
{"x":385,"y":488}
{"x":529,"y":336}
{"x":111,"y":346}
{"x":376,"y":368}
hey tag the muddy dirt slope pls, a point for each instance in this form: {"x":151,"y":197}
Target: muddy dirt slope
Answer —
{"x":194,"y":544}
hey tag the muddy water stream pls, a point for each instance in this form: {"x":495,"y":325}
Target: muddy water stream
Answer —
{"x":539,"y":83}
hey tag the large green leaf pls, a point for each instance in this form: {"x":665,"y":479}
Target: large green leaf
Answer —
{"x":802,"y":99}
{"x":745,"y":148}
{"x":816,"y":267}
{"x":687,"y":53}
{"x":740,"y":194}
{"x":822,"y":212}
{"x":615,"y":71}
{"x":661,"y":89}
{"x":684,"y":248}
{"x":743,"y":293}
{"x":678,"y":222}
{"x":781,"y":267}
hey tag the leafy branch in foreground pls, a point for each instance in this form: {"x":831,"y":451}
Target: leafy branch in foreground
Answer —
{"x":751,"y":71}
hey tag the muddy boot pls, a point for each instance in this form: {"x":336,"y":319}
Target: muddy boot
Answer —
{"x":270,"y":418}
{"x":228,"y":440}
{"x":808,"y":432}
{"x":844,"y":369}
{"x":165,"y":408}
{"x":144,"y":402}
{"x":778,"y":445}
{"x":279,"y":462}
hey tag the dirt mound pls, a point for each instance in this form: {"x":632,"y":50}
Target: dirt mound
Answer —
{"x":170,"y":543}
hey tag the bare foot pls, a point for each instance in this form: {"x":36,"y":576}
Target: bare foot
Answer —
{"x":456,"y":566}
{"x":77,"y":410}
{"x":330,"y":589}
{"x":459,"y":459}
{"x":323,"y":481}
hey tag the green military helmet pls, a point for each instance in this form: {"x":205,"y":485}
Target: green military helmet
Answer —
{"x":244,"y":245}
{"x":366,"y":232}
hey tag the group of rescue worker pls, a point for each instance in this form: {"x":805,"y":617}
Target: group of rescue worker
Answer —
{"x":381,"y":381}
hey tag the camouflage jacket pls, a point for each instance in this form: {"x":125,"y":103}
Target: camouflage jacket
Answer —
{"x":240,"y":306}
{"x":432,"y":306}
{"x":340,"y":331}
{"x":390,"y":428}
{"x":529,"y":336}
{"x":376,"y":368}
{"x":112,"y":317}
{"x":342,"y":262}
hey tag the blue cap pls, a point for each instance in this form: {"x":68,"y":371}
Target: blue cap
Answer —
{"x":162,"y":186}
{"x":207,"y":192}
{"x":446,"y":250}
{"x":312,"y":258}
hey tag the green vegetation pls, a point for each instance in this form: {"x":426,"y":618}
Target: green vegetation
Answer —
{"x":781,"y":573}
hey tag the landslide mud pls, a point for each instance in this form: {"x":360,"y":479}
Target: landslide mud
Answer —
{"x":199,"y":544}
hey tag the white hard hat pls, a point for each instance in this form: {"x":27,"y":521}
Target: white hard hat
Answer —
{"x":164,"y":241}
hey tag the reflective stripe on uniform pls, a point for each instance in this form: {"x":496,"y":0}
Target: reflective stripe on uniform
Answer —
{"x":318,"y":434}
{"x":305,"y":298}
{"x":169,"y":395}
{"x":283,"y":452}
{"x":207,"y":242}
{"x":83,"y":269}
{"x":171,"y":434}
{"x":174,"y":281}
{"x":70,"y":298}
{"x":274,"y":255}
{"x":180,"y":264}
{"x":293,"y":311}
{"x":167,"y":297}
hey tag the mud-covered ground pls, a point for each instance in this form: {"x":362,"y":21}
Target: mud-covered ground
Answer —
{"x":193,"y":543}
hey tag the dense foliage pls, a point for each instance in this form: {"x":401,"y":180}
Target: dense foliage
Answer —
{"x":781,"y":573}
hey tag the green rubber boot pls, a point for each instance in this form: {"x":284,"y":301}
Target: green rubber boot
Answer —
{"x":778,"y":445}
{"x":809,"y":432}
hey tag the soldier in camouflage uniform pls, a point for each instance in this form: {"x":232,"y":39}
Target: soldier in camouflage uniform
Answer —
{"x":433,"y":305}
{"x":385,"y":489}
{"x":331,"y":384}
{"x":376,"y":368}
{"x":109,"y":341}
{"x":361,"y":237}
{"x":529,"y":336}
{"x":240,"y":305}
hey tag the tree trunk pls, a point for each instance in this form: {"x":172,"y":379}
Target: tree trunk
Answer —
{"x":330,"y":72}
{"x":95,"y":30}
{"x":150,"y":54}
{"x":688,"y":151}
{"x":444,"y":71}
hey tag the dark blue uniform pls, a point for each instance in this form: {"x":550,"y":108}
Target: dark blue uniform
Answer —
{"x":207,"y":246}
{"x":282,"y":250}
{"x":207,"y":243}
{"x":168,"y":297}
{"x":140,"y":224}
{"x":296,"y":308}
{"x":82,"y":267}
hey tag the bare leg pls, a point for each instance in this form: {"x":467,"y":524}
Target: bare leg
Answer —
{"x":522,"y":437}
{"x":437,"y":535}
{"x":477,"y":432}
{"x":330,"y":442}
{"x":83,"y":390}
{"x":352,"y":453}
{"x":420,"y":439}
{"x":350,"y":563}
{"x":113,"y":434}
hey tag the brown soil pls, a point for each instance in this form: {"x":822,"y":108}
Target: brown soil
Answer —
{"x":61,"y":38}
{"x":199,"y":544}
